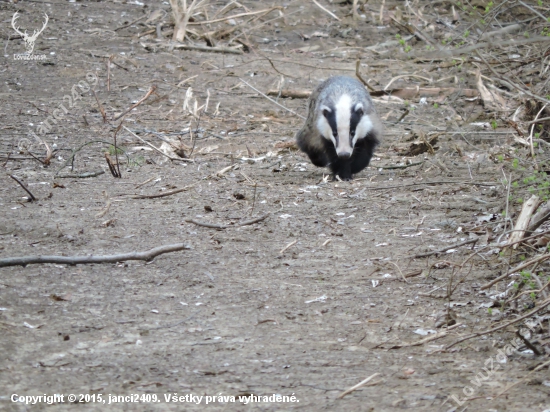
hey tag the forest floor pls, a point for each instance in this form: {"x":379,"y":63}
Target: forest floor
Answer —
{"x":327,"y":287}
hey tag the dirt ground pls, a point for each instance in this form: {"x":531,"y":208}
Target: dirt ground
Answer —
{"x":307,"y":302}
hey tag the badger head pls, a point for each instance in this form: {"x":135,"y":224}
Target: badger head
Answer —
{"x":344,"y":123}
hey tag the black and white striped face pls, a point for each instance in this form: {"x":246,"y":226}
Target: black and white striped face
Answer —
{"x":344,"y":124}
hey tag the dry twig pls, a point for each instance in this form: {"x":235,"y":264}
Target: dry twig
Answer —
{"x":149,"y":93}
{"x":326,"y":10}
{"x":523,"y":265}
{"x":359,"y":385}
{"x":436,"y":252}
{"x":156,"y":148}
{"x":272,"y":101}
{"x":428,"y":338}
{"x":216,"y":226}
{"x":538,"y":368}
{"x":181,"y":13}
{"x":164,"y":194}
{"x":32,"y":198}
{"x":283,"y":250}
{"x":544,"y":304}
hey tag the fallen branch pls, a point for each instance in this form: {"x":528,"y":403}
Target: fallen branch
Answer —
{"x":230,"y":50}
{"x":79,"y":260}
{"x":523,"y":220}
{"x":404,"y":93}
{"x":539,"y":218}
{"x":295,"y":94}
{"x":217,"y":226}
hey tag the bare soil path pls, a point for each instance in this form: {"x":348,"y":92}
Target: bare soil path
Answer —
{"x":306,"y":302}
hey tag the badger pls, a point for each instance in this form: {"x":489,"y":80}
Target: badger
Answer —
{"x":342,"y":128}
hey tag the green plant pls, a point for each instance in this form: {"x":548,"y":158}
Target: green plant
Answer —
{"x":406,"y":47}
{"x":136,"y":162}
{"x":494,"y":124}
{"x":112,"y":150}
{"x":538,"y":183}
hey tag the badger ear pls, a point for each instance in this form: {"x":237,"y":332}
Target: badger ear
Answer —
{"x":359,"y":109}
{"x":326,"y":111}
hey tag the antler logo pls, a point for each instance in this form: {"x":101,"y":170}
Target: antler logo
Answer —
{"x":28,"y":39}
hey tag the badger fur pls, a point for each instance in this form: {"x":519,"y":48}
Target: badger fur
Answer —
{"x":342,"y":127}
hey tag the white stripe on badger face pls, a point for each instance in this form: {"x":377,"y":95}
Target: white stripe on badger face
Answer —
{"x":343,"y":109}
{"x":323,"y":125}
{"x":363,"y":128}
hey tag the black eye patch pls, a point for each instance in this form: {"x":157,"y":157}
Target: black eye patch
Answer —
{"x":356,"y":116}
{"x":330,"y":115}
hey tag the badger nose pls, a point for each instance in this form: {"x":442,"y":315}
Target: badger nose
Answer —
{"x":344,"y":155}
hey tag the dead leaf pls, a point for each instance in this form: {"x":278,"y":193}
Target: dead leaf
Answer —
{"x":421,"y":144}
{"x":491,"y":99}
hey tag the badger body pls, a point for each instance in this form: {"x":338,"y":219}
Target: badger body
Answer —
{"x":342,"y":128}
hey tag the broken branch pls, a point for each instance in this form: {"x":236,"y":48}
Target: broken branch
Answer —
{"x":79,"y":260}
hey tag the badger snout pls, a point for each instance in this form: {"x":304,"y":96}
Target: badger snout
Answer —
{"x":344,"y":154}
